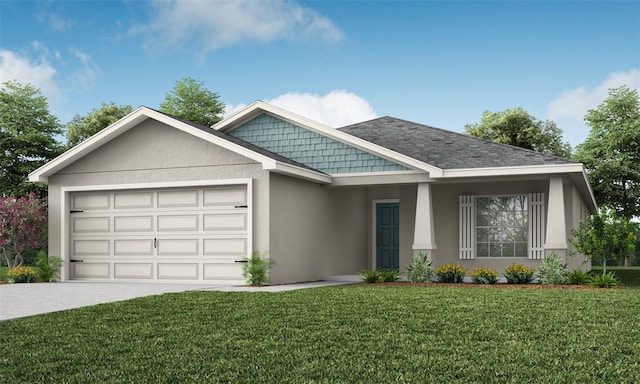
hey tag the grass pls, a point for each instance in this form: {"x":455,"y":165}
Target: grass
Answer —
{"x":3,"y":273}
{"x":629,"y":276}
{"x":354,"y":334}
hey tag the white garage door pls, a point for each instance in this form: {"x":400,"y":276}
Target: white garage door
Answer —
{"x":164,"y":234}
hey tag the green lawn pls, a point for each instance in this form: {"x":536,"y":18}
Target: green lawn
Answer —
{"x":353,"y":334}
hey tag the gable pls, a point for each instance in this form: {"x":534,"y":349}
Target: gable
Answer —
{"x":310,"y":148}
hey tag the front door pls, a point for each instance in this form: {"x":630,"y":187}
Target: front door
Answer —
{"x":388,"y":235}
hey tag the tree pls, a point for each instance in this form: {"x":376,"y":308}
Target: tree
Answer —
{"x":81,"y":128}
{"x":605,"y":237}
{"x":27,"y":137}
{"x":517,"y":127}
{"x":23,"y":225}
{"x":191,"y":101}
{"x":611,"y":152}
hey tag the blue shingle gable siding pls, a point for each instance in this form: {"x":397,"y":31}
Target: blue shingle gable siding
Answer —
{"x":310,"y":148}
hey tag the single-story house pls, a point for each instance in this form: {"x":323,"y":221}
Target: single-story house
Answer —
{"x":157,"y":198}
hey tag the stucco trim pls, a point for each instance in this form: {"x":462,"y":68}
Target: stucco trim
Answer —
{"x":380,"y":178}
{"x":65,"y":192}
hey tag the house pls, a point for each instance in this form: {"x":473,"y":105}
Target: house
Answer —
{"x":154,"y":197}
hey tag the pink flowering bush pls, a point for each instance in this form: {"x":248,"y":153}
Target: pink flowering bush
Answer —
{"x":23,"y":225}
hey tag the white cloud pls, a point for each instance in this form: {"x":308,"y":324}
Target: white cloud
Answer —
{"x":37,"y":71}
{"x":54,"y":21}
{"x":335,"y":109}
{"x":84,"y":77}
{"x":216,"y":24}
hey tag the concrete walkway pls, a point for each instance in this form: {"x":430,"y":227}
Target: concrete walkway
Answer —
{"x":21,"y":300}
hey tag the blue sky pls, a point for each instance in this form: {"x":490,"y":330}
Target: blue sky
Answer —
{"x":338,"y":62}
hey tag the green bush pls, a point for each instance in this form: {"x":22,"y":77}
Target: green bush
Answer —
{"x":605,"y":280}
{"x":389,"y":275}
{"x":519,"y":274}
{"x":579,"y":277}
{"x":450,"y":273}
{"x":552,"y":271}
{"x":48,"y":266}
{"x":482,"y":275}
{"x":22,"y":275}
{"x":370,"y":276}
{"x":628,"y":276}
{"x":419,"y":269}
{"x":256,"y":267}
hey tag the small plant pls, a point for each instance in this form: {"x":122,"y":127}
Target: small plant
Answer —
{"x":419,"y":269}
{"x":605,"y":280}
{"x":370,"y":276}
{"x":389,"y":275}
{"x":552,"y":271}
{"x":519,"y":274}
{"x":256,"y":268}
{"x":579,"y":277}
{"x":22,"y":274}
{"x":450,"y":273}
{"x":48,"y":266}
{"x":482,"y":275}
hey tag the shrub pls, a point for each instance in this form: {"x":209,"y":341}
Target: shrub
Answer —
{"x":482,"y":275}
{"x":419,"y":269}
{"x":389,"y":275}
{"x":552,"y":271}
{"x":450,"y":273}
{"x":605,"y":280}
{"x":519,"y":274}
{"x":370,"y":276}
{"x":22,"y":274}
{"x":256,"y":267}
{"x":23,"y":225}
{"x":579,"y":277}
{"x":48,"y":266}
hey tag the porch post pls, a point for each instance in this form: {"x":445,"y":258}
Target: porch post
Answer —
{"x":556,"y":236}
{"x":423,"y":237}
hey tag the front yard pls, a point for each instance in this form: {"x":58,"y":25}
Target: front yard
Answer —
{"x":352,"y":334}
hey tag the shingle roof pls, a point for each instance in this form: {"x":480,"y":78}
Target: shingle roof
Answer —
{"x":445,"y":149}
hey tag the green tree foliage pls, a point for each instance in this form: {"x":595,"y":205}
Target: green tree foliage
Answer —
{"x":605,"y":237}
{"x":191,"y":101}
{"x":81,"y":128}
{"x":27,"y":137}
{"x":517,"y":127}
{"x":611,"y":152}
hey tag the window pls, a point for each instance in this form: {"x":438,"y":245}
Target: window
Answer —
{"x":502,"y":226}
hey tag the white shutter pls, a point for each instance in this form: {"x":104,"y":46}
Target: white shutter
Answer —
{"x":467,"y":230}
{"x":536,"y":226}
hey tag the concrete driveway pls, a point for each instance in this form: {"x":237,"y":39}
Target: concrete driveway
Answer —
{"x":21,"y":300}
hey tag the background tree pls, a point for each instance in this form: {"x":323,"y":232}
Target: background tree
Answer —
{"x":605,"y":237}
{"x":191,"y":101}
{"x":81,"y":128}
{"x":27,"y":137}
{"x":611,"y":152}
{"x":23,"y":226}
{"x":517,"y":127}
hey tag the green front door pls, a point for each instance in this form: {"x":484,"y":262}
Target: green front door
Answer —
{"x":388,"y":235}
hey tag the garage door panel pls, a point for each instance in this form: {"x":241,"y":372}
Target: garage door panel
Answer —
{"x":178,"y":271}
{"x":91,"y":247}
{"x":225,"y":222}
{"x":225,"y":247}
{"x":90,"y":202}
{"x":90,"y":270}
{"x":142,"y":247}
{"x":133,"y":270}
{"x":133,"y":200}
{"x":218,"y":271}
{"x":90,"y":224}
{"x":225,"y":196}
{"x":167,"y":199}
{"x":178,"y":247}
{"x":167,"y":223}
{"x":133,"y":224}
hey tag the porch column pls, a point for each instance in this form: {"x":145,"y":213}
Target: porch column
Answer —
{"x":556,"y":236}
{"x":423,"y":236}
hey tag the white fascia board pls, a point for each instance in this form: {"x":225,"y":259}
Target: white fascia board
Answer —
{"x":584,"y":188}
{"x":258,"y":107}
{"x":301,"y":173}
{"x":513,"y":171}
{"x":380,"y":178}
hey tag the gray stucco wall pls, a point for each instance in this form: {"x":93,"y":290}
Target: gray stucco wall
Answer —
{"x":316,"y":231}
{"x":153,"y":152}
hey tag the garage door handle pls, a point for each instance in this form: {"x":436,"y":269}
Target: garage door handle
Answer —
{"x":76,"y":261}
{"x":242,"y":206}
{"x":75,"y":211}
{"x":241,"y":261}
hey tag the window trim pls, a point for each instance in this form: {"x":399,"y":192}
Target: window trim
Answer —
{"x":527,"y":225}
